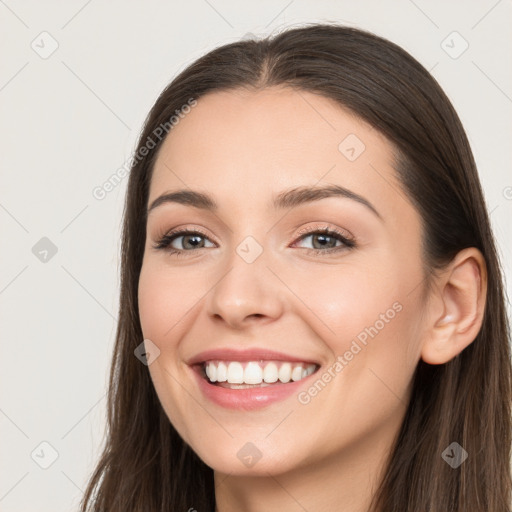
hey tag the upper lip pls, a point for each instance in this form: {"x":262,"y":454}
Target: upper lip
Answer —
{"x":253,"y":354}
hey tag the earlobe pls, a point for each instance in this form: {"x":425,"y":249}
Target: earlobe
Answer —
{"x":461,"y":301}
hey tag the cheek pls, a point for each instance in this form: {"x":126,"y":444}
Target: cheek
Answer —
{"x":161,"y":306}
{"x":152,"y":300}
{"x":348,"y":298}
{"x":368,"y":315}
{"x":165,"y":298}
{"x":368,"y":320}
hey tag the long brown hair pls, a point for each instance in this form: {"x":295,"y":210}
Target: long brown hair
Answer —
{"x":146,"y":466}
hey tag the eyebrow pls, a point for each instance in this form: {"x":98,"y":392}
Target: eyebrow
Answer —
{"x":286,"y":199}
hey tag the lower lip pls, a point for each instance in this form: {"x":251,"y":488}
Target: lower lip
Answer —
{"x":250,"y":398}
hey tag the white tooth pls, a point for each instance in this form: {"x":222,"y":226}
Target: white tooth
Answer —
{"x":253,"y":374}
{"x":270,"y":373}
{"x":235,"y":373}
{"x":285,"y":373}
{"x":297,"y":373}
{"x":222,"y":371}
{"x":211,"y":372}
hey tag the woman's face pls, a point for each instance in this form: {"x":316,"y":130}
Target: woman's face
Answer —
{"x":262,"y":277}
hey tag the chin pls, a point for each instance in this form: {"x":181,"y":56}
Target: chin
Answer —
{"x":237,"y":458}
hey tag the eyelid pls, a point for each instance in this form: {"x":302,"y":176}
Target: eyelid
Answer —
{"x":326,"y":227}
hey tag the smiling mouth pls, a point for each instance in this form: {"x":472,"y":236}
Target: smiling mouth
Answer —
{"x":254,"y":374}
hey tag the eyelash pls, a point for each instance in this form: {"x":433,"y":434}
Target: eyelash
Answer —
{"x":348,"y":243}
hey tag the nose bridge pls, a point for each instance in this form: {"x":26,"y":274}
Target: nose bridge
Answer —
{"x":247,"y":288}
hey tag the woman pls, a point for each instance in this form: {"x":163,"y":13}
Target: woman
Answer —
{"x":369,"y":371}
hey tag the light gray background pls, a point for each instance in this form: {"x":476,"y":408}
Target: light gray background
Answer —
{"x":70,"y":120}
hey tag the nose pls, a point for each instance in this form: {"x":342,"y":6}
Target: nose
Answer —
{"x":246,"y":294}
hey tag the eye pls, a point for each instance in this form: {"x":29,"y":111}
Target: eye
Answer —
{"x":325,"y":239}
{"x":190,"y":240}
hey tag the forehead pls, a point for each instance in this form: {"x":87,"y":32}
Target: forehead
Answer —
{"x":242,"y":145}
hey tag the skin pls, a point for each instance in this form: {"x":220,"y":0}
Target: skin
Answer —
{"x":243,"y":147}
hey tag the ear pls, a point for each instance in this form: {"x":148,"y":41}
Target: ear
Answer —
{"x":456,"y":311}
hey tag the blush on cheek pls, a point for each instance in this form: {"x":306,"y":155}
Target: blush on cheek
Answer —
{"x":159,"y":304}
{"x":374,"y":335}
